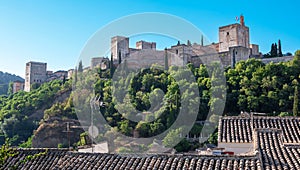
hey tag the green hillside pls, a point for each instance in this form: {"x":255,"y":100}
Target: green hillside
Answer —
{"x":21,"y":112}
{"x":251,"y":86}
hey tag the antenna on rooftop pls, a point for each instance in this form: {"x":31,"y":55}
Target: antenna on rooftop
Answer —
{"x":93,"y":130}
{"x":68,"y":131}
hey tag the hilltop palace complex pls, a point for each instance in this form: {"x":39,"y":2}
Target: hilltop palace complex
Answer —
{"x":233,"y":46}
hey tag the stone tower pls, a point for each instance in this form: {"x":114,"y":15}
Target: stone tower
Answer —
{"x":234,"y":35}
{"x":145,"y":45}
{"x":35,"y":72}
{"x":119,"y":45}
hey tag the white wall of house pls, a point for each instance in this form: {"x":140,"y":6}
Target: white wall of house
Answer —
{"x":237,"y":148}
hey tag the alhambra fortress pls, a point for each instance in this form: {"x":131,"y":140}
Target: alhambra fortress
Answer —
{"x":248,"y":141}
{"x":233,"y":46}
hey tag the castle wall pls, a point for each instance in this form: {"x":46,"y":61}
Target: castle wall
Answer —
{"x":214,"y":46}
{"x":233,"y":46}
{"x":277,"y":59}
{"x":225,"y":58}
{"x":239,"y":53}
{"x":181,"y":50}
{"x":254,"y":49}
{"x":145,"y":45}
{"x":145,"y":58}
{"x":99,"y":62}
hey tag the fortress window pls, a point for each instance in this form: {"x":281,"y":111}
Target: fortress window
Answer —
{"x":176,"y":51}
{"x":227,"y":33}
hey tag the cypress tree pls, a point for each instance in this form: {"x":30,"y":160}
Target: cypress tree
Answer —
{"x":119,"y":57}
{"x":189,"y":43}
{"x":279,"y":49}
{"x":166,"y":60}
{"x":275,"y":50}
{"x":75,"y":76}
{"x":64,"y":79}
{"x":272,"y":50}
{"x":296,"y":101}
{"x":125,"y":67}
{"x":80,"y":66}
{"x":111,"y":65}
{"x":10,"y":90}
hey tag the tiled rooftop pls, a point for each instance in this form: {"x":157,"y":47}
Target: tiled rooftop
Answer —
{"x":237,"y":129}
{"x":56,"y":159}
{"x":275,"y":139}
{"x":274,"y":154}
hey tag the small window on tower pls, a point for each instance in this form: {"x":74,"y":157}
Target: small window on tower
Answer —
{"x":227,"y":33}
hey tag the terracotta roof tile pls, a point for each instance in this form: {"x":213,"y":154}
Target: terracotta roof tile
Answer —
{"x":276,"y":155}
{"x":61,"y":159}
{"x":240,"y":129}
{"x":276,"y":142}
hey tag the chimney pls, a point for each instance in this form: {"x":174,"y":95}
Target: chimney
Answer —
{"x":242,"y":20}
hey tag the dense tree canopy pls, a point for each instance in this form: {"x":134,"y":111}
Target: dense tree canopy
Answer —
{"x":154,"y":97}
{"x":18,"y":111}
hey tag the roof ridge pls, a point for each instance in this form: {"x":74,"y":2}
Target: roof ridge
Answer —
{"x":266,"y":117}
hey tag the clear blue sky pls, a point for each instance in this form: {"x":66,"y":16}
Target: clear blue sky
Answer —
{"x":55,"y":31}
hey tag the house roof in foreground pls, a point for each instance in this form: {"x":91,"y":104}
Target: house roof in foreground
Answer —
{"x":62,"y":159}
{"x":274,"y":139}
{"x":274,"y":153}
{"x":237,"y":129}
